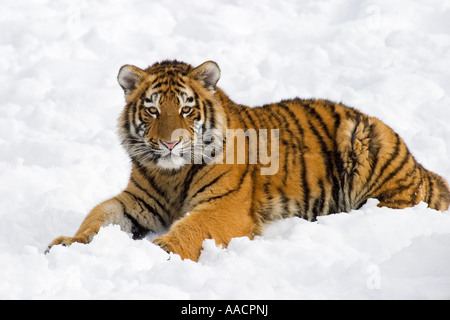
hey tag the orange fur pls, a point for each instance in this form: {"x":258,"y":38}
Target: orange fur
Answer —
{"x":330,"y":158}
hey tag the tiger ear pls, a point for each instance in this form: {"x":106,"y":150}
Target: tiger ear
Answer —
{"x":208,"y":73}
{"x":129,"y":78}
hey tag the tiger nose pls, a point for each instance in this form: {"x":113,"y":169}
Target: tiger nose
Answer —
{"x":170,"y":144}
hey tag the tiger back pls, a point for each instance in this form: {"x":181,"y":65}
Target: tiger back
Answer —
{"x":233,"y":168}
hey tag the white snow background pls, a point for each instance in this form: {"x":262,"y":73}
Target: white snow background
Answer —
{"x":60,"y":155}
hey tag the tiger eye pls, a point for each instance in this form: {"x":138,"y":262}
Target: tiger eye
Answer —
{"x":152,"y":110}
{"x":185,"y":109}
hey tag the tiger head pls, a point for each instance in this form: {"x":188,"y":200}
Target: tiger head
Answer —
{"x":172,"y":117}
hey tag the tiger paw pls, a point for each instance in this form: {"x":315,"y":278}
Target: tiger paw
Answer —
{"x":164,"y":243}
{"x":184,"y":250}
{"x":65,"y":241}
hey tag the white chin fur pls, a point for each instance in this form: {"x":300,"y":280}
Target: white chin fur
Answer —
{"x":171,"y":162}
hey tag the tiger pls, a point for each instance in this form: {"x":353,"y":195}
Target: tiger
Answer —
{"x":329,"y":158}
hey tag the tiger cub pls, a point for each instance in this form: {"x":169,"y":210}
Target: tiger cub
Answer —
{"x":204,"y":167}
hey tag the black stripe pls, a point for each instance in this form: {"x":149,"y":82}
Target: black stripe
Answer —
{"x":337,"y":118}
{"x":132,"y":116}
{"x":373,"y":154}
{"x":305,"y":184}
{"x":179,"y":84}
{"x":430,"y":191}
{"x":137,"y":230}
{"x":127,"y":124}
{"x":374,"y":151}
{"x":164,"y":209}
{"x":268,"y":207}
{"x":156,"y":86}
{"x":397,"y":170}
{"x":284,"y":203}
{"x":195,"y":169}
{"x":137,"y":111}
{"x":373,"y":187}
{"x":313,"y":112}
{"x":209,"y":184}
{"x":291,"y":151}
{"x":376,"y":177}
{"x":398,"y":202}
{"x":148,"y":208}
{"x":252,"y":208}
{"x":250,"y":113}
{"x":211,"y":119}
{"x":415,"y":192}
{"x":267,"y":192}
{"x":210,"y":168}
{"x":326,"y":153}
{"x":229,"y":191}
{"x":319,"y":203}
{"x":328,"y":158}
{"x":338,"y":196}
{"x":298,"y":211}
{"x":245,"y":115}
{"x":205,"y":116}
{"x":269,"y":116}
{"x":150,"y":180}
{"x":353,"y":158}
{"x":389,"y":193}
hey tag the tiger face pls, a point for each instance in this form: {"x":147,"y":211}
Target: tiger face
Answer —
{"x":171,"y":117}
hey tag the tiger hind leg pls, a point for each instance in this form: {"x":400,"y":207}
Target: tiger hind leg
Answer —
{"x":376,"y":163}
{"x":437,"y":191}
{"x":426,"y":186}
{"x":357,"y":149}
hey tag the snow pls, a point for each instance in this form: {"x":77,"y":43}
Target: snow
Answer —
{"x":59,"y":153}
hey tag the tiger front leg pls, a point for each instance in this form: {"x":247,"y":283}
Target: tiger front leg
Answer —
{"x":186,"y":236}
{"x":125,"y":210}
{"x":102,"y":215}
{"x":218,"y":217}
